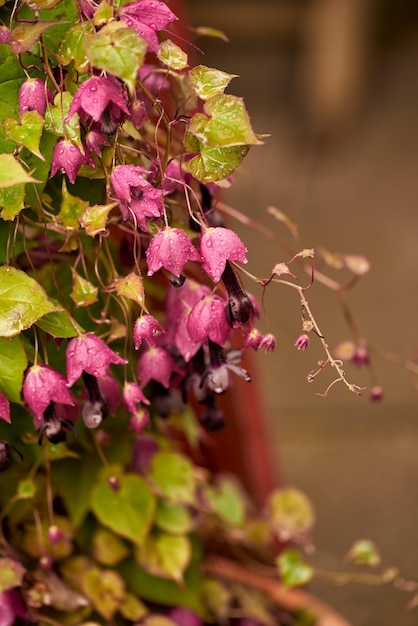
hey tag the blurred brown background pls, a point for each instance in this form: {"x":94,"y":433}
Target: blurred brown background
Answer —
{"x":335,"y":84}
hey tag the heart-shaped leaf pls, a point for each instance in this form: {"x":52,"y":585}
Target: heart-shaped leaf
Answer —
{"x":11,"y":574}
{"x":212,"y":164}
{"x":26,"y":132}
{"x":118,"y":50}
{"x":83,"y":292}
{"x":12,"y":173}
{"x":12,"y":201}
{"x":225,"y":123}
{"x":172,"y":474}
{"x":129,"y":511}
{"x":24,"y":36}
{"x":165,"y":555}
{"x":173,"y":518}
{"x":71,"y":208}
{"x":172,"y":56}
{"x":208,"y":81}
{"x":22,"y":301}
{"x":293,"y":570}
{"x":131,"y":287}
{"x":94,"y":218}
{"x":13,"y":362}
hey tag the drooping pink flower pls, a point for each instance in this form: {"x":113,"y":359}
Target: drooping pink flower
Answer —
{"x":217,"y":246}
{"x":156,"y":364}
{"x":147,"y":17}
{"x":43,"y":385}
{"x":208,"y":320}
{"x":67,"y":158}
{"x":33,"y":96}
{"x":179,"y":303}
{"x":133,"y":396}
{"x":94,"y":140}
{"x":171,"y":248}
{"x":90,"y":354}
{"x":12,"y":607}
{"x":256,"y":340}
{"x":302,"y":342}
{"x":136,"y":194}
{"x":139,"y":421}
{"x":4,"y":408}
{"x":146,"y":327}
{"x":97,"y":94}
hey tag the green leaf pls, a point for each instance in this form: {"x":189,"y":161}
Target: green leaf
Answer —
{"x":72,"y":47}
{"x":165,"y":555}
{"x":164,"y":591}
{"x":212,"y":164}
{"x":293,"y":570}
{"x":94,"y":218}
{"x":12,"y":201}
{"x":22,"y":301}
{"x":107,"y":548}
{"x":225,"y":124}
{"x":291,"y":512}
{"x":40,"y":170}
{"x":71,"y":209}
{"x":59,"y":324}
{"x":218,"y":598}
{"x":83,"y":292}
{"x":131,"y":287}
{"x":11,"y":574}
{"x":24,"y":36}
{"x":129,"y":511}
{"x":26,"y":131}
{"x":11,"y":78}
{"x":12,"y":173}
{"x":364,"y":552}
{"x":56,"y":115}
{"x":118,"y":50}
{"x":208,"y":81}
{"x":105,"y":589}
{"x":132,"y":608}
{"x":171,"y":55}
{"x":228,"y":501}
{"x":173,"y":518}
{"x":172,"y":474}
{"x":26,"y":489}
{"x":13,"y":362}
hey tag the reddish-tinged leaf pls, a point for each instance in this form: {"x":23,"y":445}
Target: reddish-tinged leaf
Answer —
{"x":131,"y":287}
{"x":24,"y":36}
{"x":11,"y":574}
{"x":94,"y":218}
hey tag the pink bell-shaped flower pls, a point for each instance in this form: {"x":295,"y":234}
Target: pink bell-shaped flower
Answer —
{"x":133,"y":396}
{"x":147,"y":17}
{"x":156,"y":364}
{"x":217,"y":246}
{"x":139,"y":421}
{"x":90,"y":354}
{"x":43,"y":385}
{"x":67,"y":158}
{"x":97,"y":94}
{"x":136,"y":194}
{"x":33,"y":96}
{"x":171,"y":248}
{"x":208,"y":320}
{"x":146,"y":327}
